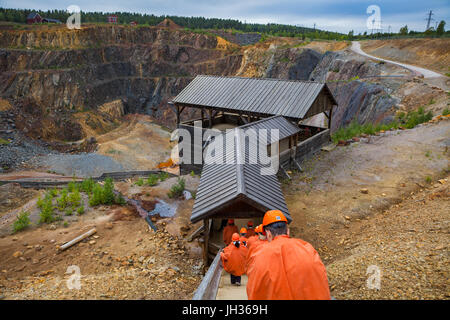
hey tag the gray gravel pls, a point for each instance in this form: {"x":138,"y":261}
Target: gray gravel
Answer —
{"x":81,"y":165}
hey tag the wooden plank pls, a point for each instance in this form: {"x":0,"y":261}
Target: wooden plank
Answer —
{"x":195,"y":233}
{"x":77,"y":239}
{"x":207,"y":290}
{"x":205,"y":245}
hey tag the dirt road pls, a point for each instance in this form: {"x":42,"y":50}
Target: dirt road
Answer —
{"x":356,"y":47}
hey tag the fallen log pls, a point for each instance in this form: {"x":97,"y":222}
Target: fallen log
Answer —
{"x":77,"y":239}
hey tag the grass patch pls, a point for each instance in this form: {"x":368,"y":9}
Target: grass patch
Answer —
{"x":177,"y":189}
{"x":406,"y":120}
{"x":428,"y":179}
{"x":140,"y":182}
{"x":446,"y":111}
{"x":152,"y":180}
{"x":4,"y":142}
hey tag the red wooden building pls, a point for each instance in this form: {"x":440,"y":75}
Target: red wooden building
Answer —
{"x":34,"y":17}
{"x":112,"y":19}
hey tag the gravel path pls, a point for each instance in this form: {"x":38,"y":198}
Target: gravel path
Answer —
{"x":356,"y":47}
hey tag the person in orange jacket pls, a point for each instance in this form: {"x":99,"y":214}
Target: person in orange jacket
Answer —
{"x":250,"y":230}
{"x":233,"y":259}
{"x":255,"y":238}
{"x":228,"y":231}
{"x":253,"y":244}
{"x":285,"y":268}
{"x":243,"y":238}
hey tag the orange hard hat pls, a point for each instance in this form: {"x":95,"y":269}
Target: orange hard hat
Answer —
{"x":230,"y":221}
{"x":258,"y":228}
{"x":235,"y":237}
{"x":243,"y":230}
{"x":250,"y":223}
{"x":272,"y":216}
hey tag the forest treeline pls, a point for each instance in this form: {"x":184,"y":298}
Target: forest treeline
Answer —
{"x":201,"y":23}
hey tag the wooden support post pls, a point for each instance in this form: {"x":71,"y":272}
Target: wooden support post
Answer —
{"x":205,"y":244}
{"x":210,"y":118}
{"x":329,"y":118}
{"x":203,"y":115}
{"x":178,"y":115}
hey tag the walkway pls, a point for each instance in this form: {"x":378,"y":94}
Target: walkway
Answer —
{"x":356,"y":47}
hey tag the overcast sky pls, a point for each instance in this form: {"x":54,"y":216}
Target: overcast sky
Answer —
{"x":332,"y":15}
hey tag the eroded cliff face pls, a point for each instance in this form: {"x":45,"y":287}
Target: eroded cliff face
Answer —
{"x":62,"y":73}
{"x":354,"y":82}
{"x":61,"y":80}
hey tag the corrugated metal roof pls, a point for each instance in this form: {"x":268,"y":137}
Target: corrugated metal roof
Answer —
{"x":285,"y":127}
{"x":223,"y":183}
{"x":289,"y":98}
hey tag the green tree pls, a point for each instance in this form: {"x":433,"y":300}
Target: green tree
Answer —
{"x":404,"y":30}
{"x":441,"y":28}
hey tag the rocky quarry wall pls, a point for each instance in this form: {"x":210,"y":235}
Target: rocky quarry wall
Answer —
{"x":51,"y":77}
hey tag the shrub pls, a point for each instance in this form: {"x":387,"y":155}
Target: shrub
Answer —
{"x":119,"y":200}
{"x":105,"y":194}
{"x":96,"y":197}
{"x":140,"y":182}
{"x":22,"y":222}
{"x":152,"y":180}
{"x":75,"y":198}
{"x":69,"y":211}
{"x":72,"y":186}
{"x":446,"y":111}
{"x":177,"y":189}
{"x":63,"y":200}
{"x":428,"y":179}
{"x":80,"y":210}
{"x":163,"y":175}
{"x":53,"y":192}
{"x":108,"y":192}
{"x":47,"y":214}
{"x":87,"y":185}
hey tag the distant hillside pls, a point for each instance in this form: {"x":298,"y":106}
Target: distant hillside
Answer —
{"x":20,"y":15}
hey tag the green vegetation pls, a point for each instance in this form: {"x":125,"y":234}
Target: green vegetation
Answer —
{"x":202,"y":25}
{"x":177,"y":189}
{"x":104,"y":194}
{"x":446,"y":111}
{"x":4,"y":142}
{"x":22,"y":222}
{"x":406,"y":120}
{"x":140,"y":182}
{"x":80,"y":210}
{"x":63,"y":200}
{"x":87,"y":185}
{"x":152,"y":180}
{"x":413,"y":118}
{"x":163,"y":175}
{"x":69,"y":211}
{"x":428,"y":179}
{"x":47,"y":212}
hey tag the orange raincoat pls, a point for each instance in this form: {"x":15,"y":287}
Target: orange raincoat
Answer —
{"x":250,"y":232}
{"x":228,"y":233}
{"x":286,"y":269}
{"x":233,"y":259}
{"x":252,"y":240}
